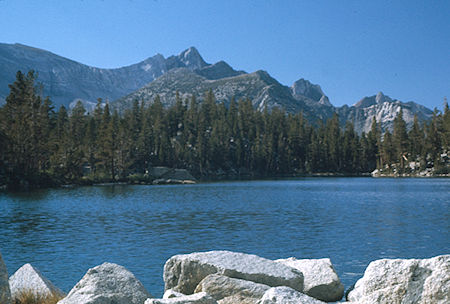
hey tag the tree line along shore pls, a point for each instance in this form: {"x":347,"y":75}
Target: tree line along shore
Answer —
{"x":43,"y":146}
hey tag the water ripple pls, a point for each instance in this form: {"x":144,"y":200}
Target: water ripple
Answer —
{"x":351,"y":220}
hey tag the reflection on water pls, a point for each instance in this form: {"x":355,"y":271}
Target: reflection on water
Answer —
{"x":351,"y":220}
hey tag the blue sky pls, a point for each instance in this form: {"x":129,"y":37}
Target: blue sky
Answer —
{"x":351,"y":48}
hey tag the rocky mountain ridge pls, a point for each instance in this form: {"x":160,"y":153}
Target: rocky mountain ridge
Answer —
{"x":384,"y":109}
{"x":67,"y":81}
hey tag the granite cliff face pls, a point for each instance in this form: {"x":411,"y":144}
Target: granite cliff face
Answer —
{"x":67,"y":81}
{"x":384,"y":109}
{"x":263,"y":90}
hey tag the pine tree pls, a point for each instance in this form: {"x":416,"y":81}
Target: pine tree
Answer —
{"x":75,"y":159}
{"x":58,"y":165}
{"x":349,"y":150}
{"x":388,"y":151}
{"x":144,"y":144}
{"x":400,"y":140}
{"x":446,"y":127}
{"x":416,"y":140}
{"x":26,"y":124}
{"x":373,"y":147}
{"x":433,"y":140}
{"x":104,"y":143}
{"x":333,"y":137}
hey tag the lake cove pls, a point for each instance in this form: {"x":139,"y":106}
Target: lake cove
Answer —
{"x":352,"y":221}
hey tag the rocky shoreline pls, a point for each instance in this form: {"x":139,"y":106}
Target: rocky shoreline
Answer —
{"x":225,"y":277}
{"x":172,"y":176}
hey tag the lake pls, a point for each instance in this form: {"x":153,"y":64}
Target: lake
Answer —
{"x":353,"y":221}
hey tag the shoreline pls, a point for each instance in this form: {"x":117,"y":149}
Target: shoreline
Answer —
{"x":204,"y":180}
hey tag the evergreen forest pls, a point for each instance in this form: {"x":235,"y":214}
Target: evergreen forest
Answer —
{"x":44,"y":146}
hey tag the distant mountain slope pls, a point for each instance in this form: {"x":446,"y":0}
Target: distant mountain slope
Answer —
{"x":66,"y":81}
{"x":384,"y":109}
{"x":260,"y":87}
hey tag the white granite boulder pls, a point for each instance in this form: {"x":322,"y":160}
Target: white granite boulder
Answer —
{"x":404,"y":281}
{"x":320,"y":278}
{"x":238,"y":299}
{"x":170,"y":293}
{"x":184,"y":272}
{"x":196,"y":298}
{"x":220,"y":287}
{"x":106,"y":284}
{"x":286,"y":295}
{"x":28,"y":278}
{"x":5,"y":294}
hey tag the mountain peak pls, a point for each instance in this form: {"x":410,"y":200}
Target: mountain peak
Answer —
{"x":191,"y":50}
{"x":192,"y":58}
{"x":380,"y":98}
{"x":303,"y":87}
{"x":265,"y":76}
{"x":218,"y":70}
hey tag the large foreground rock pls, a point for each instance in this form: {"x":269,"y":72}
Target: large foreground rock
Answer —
{"x":107,"y":284}
{"x":5,"y":294}
{"x":320,"y":278}
{"x":220,"y":287}
{"x":404,"y":281}
{"x":28,"y":278}
{"x":286,"y":295}
{"x":184,"y":272}
{"x":196,"y":298}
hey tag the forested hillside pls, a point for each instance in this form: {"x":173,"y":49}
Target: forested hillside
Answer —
{"x":40,"y":145}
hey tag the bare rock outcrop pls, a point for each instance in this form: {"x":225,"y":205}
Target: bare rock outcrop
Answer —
{"x":236,"y":290}
{"x":30,"y":279}
{"x":404,"y":281}
{"x":184,"y":272}
{"x":286,"y":295}
{"x":170,"y":293}
{"x":196,"y":298}
{"x":105,"y":284}
{"x":320,"y":278}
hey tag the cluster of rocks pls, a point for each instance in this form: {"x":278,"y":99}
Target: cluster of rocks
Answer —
{"x":165,"y":176}
{"x":224,"y":277}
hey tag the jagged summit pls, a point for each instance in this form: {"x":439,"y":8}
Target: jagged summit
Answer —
{"x":192,"y":58}
{"x":303,"y":87}
{"x":384,"y":109}
{"x":218,"y":70}
{"x":189,"y":58}
{"x":306,"y":88}
{"x":373,"y":100}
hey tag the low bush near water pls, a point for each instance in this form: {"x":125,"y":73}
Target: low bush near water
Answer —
{"x":29,"y":297}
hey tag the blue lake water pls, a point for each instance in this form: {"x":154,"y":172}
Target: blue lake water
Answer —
{"x":353,"y":221}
